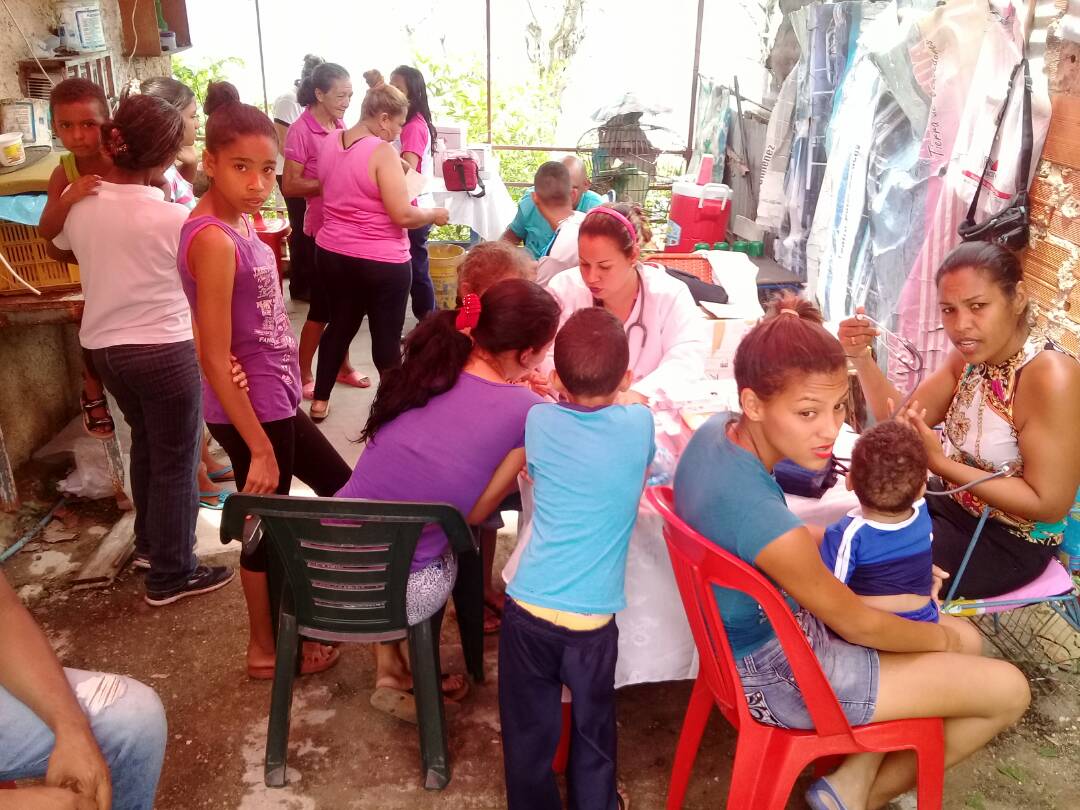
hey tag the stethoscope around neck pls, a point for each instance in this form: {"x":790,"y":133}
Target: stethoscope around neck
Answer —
{"x":639,"y":322}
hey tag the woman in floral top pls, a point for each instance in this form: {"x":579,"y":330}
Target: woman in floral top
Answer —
{"x":1006,"y":396}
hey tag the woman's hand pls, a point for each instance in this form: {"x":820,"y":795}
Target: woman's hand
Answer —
{"x":239,"y":377}
{"x":856,"y":334}
{"x":938,"y":577}
{"x":915,"y":418}
{"x":440,"y":216}
{"x":263,"y":475}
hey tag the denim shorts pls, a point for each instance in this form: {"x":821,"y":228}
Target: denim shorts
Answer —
{"x":773,"y":697}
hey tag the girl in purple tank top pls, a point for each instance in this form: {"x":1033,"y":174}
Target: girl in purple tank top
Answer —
{"x":231,"y":281}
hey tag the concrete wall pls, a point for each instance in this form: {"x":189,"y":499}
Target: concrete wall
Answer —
{"x":40,"y":379}
{"x":40,"y":366}
{"x":37,"y":18}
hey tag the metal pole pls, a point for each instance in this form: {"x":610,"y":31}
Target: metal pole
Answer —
{"x":487,"y":42}
{"x":262,"y":63}
{"x":694,"y":80}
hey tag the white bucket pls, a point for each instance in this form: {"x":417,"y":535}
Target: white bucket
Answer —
{"x":11,"y":149}
{"x":82,"y":23}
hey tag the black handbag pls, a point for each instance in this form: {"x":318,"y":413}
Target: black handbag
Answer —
{"x":797,"y":480}
{"x":1010,"y":228}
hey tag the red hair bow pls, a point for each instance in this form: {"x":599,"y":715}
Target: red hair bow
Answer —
{"x":468,"y":315}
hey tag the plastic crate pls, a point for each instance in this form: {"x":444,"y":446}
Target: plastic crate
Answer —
{"x":24,"y":248}
{"x":692,"y":263}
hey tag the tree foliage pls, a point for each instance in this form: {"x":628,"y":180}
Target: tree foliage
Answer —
{"x":198,"y":76}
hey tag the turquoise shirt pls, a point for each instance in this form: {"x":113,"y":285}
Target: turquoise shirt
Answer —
{"x":529,"y":224}
{"x":589,"y":200}
{"x":726,"y":495}
{"x":588,"y":469}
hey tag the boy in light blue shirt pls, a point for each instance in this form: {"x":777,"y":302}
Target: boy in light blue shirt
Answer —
{"x":587,"y":458}
{"x":559,"y":189}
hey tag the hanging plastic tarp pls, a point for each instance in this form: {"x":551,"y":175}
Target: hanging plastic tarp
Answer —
{"x":959,"y":139}
{"x":711,"y":123}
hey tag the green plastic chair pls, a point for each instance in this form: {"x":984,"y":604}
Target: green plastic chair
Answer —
{"x":346,"y":583}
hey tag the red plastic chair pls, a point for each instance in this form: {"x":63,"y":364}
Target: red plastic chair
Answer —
{"x":769,"y":759}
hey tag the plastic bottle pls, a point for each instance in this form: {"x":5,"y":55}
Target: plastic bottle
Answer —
{"x":741,"y":246}
{"x":701,"y":246}
{"x":721,"y":246}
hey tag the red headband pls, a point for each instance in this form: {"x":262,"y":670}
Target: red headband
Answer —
{"x":469,"y":314}
{"x":611,"y":212}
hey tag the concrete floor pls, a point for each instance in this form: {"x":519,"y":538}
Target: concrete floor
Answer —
{"x":344,"y":754}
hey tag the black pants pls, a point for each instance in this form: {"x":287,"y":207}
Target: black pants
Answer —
{"x":360,"y":287}
{"x":300,"y":449}
{"x":159,"y":392}
{"x":301,"y":247}
{"x":535,"y":659}
{"x":422,"y":292}
{"x":1001,"y":561}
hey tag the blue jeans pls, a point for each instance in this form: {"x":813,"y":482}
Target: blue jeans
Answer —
{"x":131,"y":733}
{"x":159,"y":391}
{"x":422,"y":291}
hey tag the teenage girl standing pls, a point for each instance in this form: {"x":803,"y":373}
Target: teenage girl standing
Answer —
{"x":230,"y":278}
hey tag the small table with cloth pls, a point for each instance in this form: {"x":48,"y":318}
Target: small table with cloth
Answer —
{"x":488,"y":215}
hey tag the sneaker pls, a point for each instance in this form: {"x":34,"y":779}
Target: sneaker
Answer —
{"x":141,"y":561}
{"x":204,"y":579}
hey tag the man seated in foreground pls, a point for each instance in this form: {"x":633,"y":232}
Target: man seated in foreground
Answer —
{"x":71,"y":727}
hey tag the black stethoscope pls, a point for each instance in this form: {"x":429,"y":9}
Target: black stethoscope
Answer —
{"x":639,"y":322}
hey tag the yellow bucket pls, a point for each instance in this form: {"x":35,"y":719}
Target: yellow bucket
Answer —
{"x":444,"y":259}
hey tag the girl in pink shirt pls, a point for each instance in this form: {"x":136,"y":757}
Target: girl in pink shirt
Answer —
{"x":418,"y":150}
{"x":362,"y":247}
{"x":325,"y":94}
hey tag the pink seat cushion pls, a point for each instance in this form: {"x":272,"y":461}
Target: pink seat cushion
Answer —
{"x":1053,"y":581}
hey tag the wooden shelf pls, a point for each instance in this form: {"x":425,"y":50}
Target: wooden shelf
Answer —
{"x":142,"y":37}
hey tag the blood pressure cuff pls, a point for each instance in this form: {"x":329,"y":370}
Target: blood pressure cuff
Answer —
{"x":796,"y":480}
{"x":701,"y":290}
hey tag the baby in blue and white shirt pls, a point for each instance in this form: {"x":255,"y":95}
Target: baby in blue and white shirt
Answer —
{"x":882,"y":550}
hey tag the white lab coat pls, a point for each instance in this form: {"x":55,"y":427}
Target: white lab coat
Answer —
{"x":562,"y":252}
{"x":674,"y":348}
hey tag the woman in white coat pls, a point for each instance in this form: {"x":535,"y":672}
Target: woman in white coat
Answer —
{"x":663,"y":324}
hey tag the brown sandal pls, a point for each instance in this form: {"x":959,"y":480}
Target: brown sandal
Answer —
{"x":100,"y":427}
{"x":311,"y":664}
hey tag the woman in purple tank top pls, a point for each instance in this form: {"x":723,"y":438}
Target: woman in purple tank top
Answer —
{"x":231,"y":281}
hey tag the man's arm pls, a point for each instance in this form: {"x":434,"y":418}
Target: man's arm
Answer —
{"x":33,"y":675}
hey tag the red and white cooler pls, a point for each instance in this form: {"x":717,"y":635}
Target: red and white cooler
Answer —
{"x":699,"y":213}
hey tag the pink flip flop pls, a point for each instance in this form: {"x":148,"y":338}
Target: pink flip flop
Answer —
{"x":353,"y":378}
{"x":309,"y":390}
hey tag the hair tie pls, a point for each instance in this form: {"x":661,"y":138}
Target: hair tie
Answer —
{"x":789,"y":311}
{"x":468,"y":315}
{"x":611,"y":212}
{"x":116,"y":140}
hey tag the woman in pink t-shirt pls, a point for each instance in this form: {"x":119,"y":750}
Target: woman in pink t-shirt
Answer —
{"x":418,"y":150}
{"x":325,"y":95}
{"x":363,"y":247}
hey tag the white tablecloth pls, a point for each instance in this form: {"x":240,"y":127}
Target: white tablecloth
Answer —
{"x":488,"y":215}
{"x":655,"y":643}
